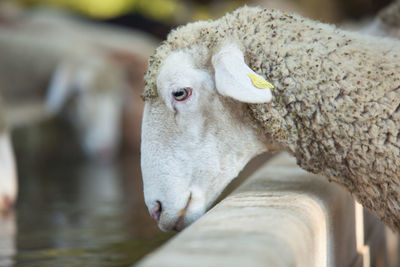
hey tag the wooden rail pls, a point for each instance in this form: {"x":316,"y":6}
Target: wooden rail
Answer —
{"x":281,"y":216}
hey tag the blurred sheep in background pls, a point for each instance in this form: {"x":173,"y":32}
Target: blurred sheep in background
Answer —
{"x":91,"y":73}
{"x":54,"y":64}
{"x":8,"y":177}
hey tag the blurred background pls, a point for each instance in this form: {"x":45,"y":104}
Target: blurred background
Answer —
{"x":71,"y":75}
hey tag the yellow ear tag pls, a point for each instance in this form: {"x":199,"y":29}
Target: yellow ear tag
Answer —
{"x":259,"y":82}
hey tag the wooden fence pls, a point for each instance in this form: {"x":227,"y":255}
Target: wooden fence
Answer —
{"x":282,"y":216}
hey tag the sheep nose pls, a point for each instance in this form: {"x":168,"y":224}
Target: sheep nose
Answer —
{"x":156,"y":211}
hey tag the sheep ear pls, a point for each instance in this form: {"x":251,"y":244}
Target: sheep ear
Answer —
{"x":235,"y":79}
{"x":60,"y":87}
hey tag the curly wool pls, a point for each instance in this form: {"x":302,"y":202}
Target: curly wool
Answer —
{"x":336,"y":104}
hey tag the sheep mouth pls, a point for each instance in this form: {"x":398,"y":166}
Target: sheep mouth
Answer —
{"x":179,"y":225}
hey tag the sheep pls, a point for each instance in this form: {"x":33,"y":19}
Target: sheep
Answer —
{"x":8,"y":173}
{"x":75,"y":69}
{"x":220,"y":92}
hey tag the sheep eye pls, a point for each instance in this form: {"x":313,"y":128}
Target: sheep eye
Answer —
{"x":182,"y":94}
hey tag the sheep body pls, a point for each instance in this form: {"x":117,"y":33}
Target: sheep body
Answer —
{"x":336,"y":104}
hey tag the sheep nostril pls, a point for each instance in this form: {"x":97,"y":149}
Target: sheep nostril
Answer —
{"x":156,"y":211}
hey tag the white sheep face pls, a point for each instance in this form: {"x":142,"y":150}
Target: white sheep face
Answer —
{"x":191,"y":149}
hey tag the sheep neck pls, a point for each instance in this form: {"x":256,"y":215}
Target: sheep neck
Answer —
{"x":336,"y":108}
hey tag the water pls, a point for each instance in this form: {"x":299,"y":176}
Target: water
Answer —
{"x":76,"y":213}
{"x":72,"y":212}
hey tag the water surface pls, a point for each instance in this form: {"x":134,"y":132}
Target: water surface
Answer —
{"x":72,"y":212}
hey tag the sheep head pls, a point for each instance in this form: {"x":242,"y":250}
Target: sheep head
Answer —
{"x":197,"y":133}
